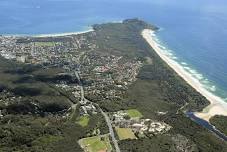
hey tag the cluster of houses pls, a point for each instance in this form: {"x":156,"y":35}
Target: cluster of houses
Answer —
{"x":73,"y":88}
{"x":49,"y":50}
{"x":105,"y":76}
{"x":87,"y":108}
{"x":108,"y":76}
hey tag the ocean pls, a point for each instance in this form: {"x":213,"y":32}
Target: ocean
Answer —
{"x":193,"y":33}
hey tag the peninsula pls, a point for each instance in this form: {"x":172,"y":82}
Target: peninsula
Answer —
{"x":107,"y":89}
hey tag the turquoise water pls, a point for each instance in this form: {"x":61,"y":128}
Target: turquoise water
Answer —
{"x":193,"y":32}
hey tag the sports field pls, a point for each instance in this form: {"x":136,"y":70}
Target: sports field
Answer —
{"x":44,"y":44}
{"x":96,"y":143}
{"x":134,"y":113}
{"x":125,"y":133}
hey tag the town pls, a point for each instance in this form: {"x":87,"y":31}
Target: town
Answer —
{"x":90,"y":76}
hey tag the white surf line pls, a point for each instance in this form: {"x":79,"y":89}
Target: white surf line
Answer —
{"x":62,"y":34}
{"x":217,"y":105}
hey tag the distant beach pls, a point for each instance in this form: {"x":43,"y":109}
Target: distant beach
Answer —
{"x":62,"y":34}
{"x":47,"y":35}
{"x":217,"y":105}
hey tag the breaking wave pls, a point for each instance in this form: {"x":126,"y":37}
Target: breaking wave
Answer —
{"x":205,"y":83}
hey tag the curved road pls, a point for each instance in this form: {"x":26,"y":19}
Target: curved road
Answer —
{"x":107,"y":119}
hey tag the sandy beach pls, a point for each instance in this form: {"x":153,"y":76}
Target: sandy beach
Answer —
{"x":62,"y":34}
{"x":48,"y":35}
{"x":217,"y":105}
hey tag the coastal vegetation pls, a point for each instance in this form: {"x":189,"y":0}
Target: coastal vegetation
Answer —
{"x":220,"y":122}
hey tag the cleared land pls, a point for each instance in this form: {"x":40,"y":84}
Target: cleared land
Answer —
{"x":83,"y":121}
{"x":47,"y":44}
{"x":125,"y":133}
{"x":134,"y":113}
{"x":96,"y":144}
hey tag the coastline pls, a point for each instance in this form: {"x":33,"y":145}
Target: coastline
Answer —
{"x":48,"y":35}
{"x":217,"y":105}
{"x":62,"y":34}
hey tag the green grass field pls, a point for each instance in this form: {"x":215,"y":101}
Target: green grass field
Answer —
{"x":125,"y":133}
{"x":83,"y":121}
{"x":48,"y":44}
{"x":133,"y":113}
{"x":96,"y":144}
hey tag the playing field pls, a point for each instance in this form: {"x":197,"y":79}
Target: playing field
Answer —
{"x":47,"y":44}
{"x":83,"y":121}
{"x":96,"y":144}
{"x":125,"y":133}
{"x":133,"y":113}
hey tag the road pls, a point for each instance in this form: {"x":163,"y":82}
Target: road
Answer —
{"x":107,"y":119}
{"x":74,"y":106}
{"x":80,"y":84}
{"x":111,"y":131}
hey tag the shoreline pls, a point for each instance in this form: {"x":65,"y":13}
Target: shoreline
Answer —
{"x":62,"y":34}
{"x":48,"y":35}
{"x":217,"y":105}
{"x":89,"y":29}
